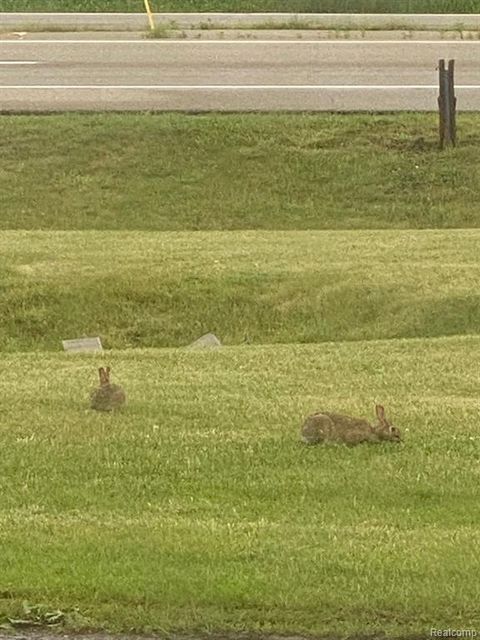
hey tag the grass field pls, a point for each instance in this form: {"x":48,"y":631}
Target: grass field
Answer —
{"x":219,"y":172}
{"x":302,"y":242}
{"x":164,"y":289}
{"x":308,"y":6}
{"x":197,"y":508}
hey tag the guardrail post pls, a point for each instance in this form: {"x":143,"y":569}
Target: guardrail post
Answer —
{"x":447,"y":103}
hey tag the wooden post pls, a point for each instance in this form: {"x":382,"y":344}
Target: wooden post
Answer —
{"x":447,"y":104}
{"x":453,"y":101}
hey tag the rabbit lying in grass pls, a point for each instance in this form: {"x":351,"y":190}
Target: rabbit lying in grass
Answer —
{"x":333,"y":427}
{"x":107,"y":396}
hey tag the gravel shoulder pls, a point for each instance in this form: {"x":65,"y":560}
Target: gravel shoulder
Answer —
{"x":29,"y":33}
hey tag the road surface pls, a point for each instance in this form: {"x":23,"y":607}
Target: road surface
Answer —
{"x":314,"y":75}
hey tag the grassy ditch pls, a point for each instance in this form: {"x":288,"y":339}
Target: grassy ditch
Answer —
{"x":165,"y":289}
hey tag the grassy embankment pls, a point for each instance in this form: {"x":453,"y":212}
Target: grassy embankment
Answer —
{"x":307,"y":6}
{"x":180,"y":172}
{"x":196,"y":508}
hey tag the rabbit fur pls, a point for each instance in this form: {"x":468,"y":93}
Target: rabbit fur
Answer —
{"x":333,"y":427}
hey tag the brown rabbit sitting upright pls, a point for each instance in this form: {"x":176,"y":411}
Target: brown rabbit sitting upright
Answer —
{"x":107,"y":396}
{"x":333,"y":427}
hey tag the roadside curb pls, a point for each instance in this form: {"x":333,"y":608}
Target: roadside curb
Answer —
{"x":139,"y":21}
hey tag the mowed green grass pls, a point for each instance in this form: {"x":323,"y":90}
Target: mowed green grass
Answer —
{"x":140,"y":289}
{"x":309,"y":6}
{"x":251,"y":171}
{"x":197,"y":508}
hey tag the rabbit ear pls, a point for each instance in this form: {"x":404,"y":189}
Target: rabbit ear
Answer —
{"x":103,"y":376}
{"x":380,"y":411}
{"x":107,"y":374}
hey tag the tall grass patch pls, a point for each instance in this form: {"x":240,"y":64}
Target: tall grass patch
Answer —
{"x":165,"y":289}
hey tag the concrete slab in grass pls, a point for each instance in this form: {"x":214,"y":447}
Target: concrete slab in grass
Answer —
{"x":82,"y":344}
{"x":207,"y":341}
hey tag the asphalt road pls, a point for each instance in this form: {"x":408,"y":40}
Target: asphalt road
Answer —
{"x":105,"y":74}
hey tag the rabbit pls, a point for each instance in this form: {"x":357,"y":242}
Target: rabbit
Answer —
{"x":107,"y":396}
{"x":333,"y":427}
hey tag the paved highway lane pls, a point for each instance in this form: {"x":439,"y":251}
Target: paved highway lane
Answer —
{"x":232,"y":75}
